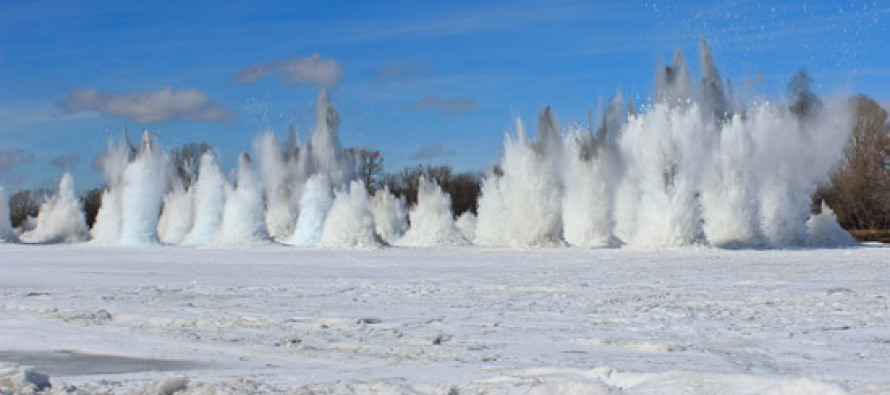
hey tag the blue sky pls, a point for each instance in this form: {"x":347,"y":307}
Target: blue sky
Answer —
{"x":422,"y":82}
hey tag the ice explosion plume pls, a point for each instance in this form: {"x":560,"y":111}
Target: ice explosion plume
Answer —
{"x":694,"y":169}
{"x":695,"y":166}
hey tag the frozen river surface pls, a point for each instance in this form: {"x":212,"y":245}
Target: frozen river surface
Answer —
{"x":282,"y":320}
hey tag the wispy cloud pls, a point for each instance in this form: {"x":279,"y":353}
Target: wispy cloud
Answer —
{"x":10,"y":159}
{"x":65,"y":162}
{"x":150,"y":106}
{"x":444,"y":105}
{"x":431,"y":151}
{"x":403,"y":73}
{"x":307,"y":70}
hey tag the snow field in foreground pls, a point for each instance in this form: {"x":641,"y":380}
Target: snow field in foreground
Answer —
{"x":279,"y":319}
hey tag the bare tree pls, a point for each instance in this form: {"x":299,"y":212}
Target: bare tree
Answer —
{"x":859,"y":191}
{"x":186,"y":160}
{"x":464,"y":188}
{"x":368,"y":166}
{"x":26,"y":203}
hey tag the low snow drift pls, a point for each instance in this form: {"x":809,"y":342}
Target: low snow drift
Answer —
{"x":432,"y":223}
{"x":16,"y":379}
{"x":60,"y":219}
{"x":603,"y":380}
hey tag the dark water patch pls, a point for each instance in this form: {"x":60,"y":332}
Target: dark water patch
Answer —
{"x":73,"y":363}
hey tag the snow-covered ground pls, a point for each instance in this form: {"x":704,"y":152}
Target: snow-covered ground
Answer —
{"x":465,"y":319}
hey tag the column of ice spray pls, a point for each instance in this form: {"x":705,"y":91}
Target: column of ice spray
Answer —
{"x":6,"y":233}
{"x":324,"y":143}
{"x":115,"y":159}
{"x":665,"y":151}
{"x":60,"y":219}
{"x":432,"y":223}
{"x":328,"y":169}
{"x":243,"y":220}
{"x":317,"y":199}
{"x":210,"y":190}
{"x":144,"y":184}
{"x":591,"y":172}
{"x":283,"y":171}
{"x":131,"y":204}
{"x":178,"y":214}
{"x":390,"y":215}
{"x":520,"y":204}
{"x":349,"y":222}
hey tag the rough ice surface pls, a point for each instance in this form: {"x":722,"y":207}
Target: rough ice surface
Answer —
{"x":284,"y":320}
{"x":16,"y":379}
{"x":432,"y":223}
{"x":60,"y":219}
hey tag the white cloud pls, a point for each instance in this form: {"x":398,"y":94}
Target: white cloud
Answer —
{"x":308,"y":70}
{"x":10,"y":159}
{"x":162,"y":105}
{"x":445,"y":105}
{"x":65,"y":162}
{"x":432,"y":151}
{"x":403,"y":73}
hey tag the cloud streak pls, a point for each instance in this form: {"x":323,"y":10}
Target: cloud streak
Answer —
{"x":10,"y":159}
{"x":65,"y":162}
{"x":306,"y":70}
{"x":431,"y":151}
{"x":444,"y":105}
{"x":403,"y":73}
{"x":162,"y":105}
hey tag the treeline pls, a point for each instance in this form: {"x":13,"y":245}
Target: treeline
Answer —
{"x":464,"y":187}
{"x":859,"y":191}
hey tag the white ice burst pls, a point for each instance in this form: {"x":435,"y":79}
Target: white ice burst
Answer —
{"x":390,"y":215}
{"x":243,"y":220}
{"x":520,"y":206}
{"x":314,"y":206}
{"x":432,"y":223}
{"x":60,"y":219}
{"x":824,"y":231}
{"x":6,"y":233}
{"x":178,"y":214}
{"x":350,"y":222}
{"x":210,"y":195}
